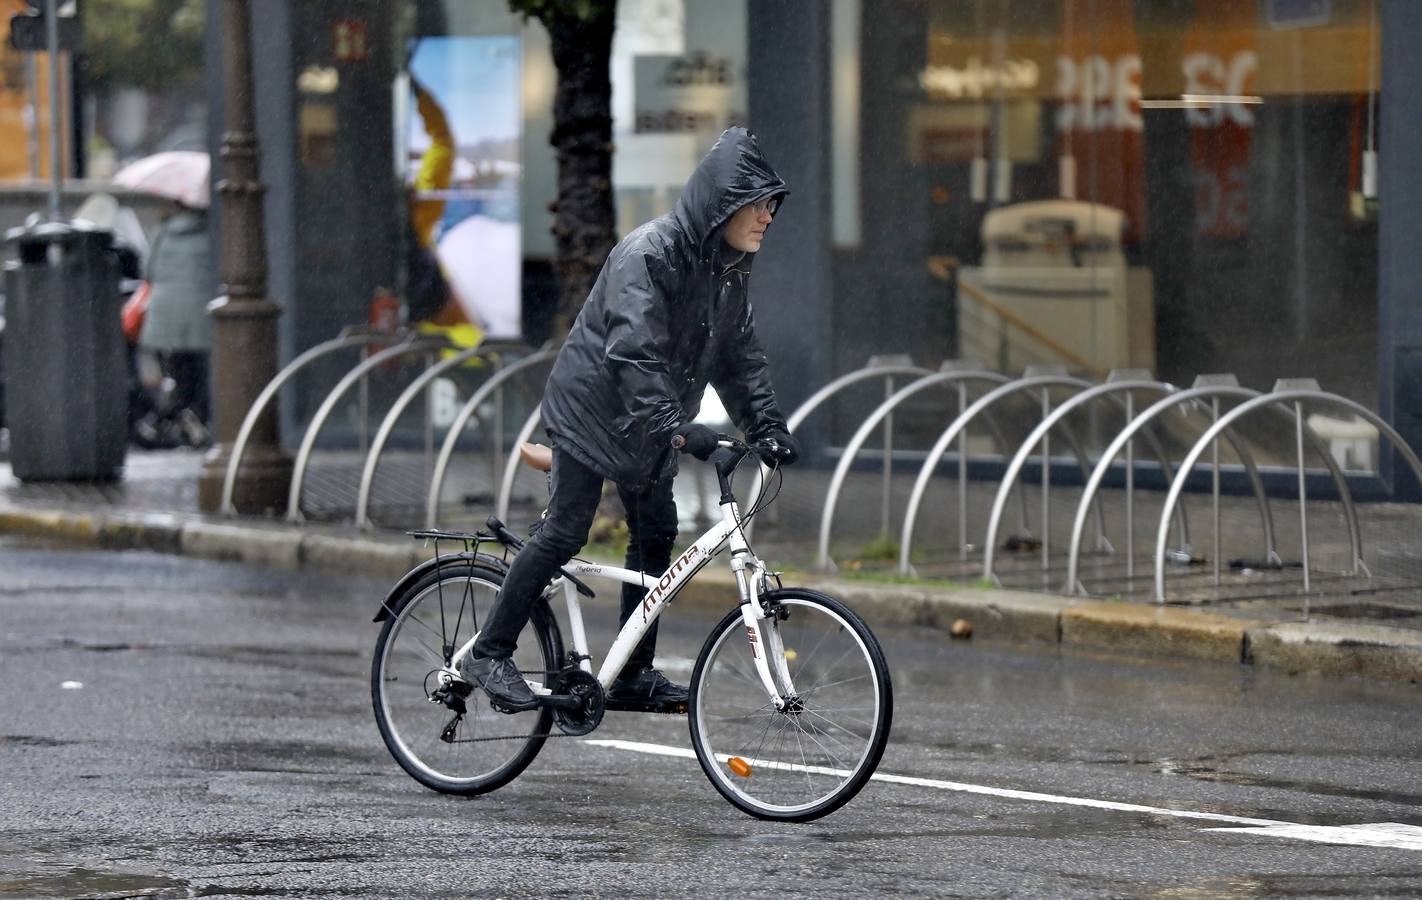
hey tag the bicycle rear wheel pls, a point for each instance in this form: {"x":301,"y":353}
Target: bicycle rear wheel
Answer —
{"x":813,"y":756}
{"x":456,"y":754}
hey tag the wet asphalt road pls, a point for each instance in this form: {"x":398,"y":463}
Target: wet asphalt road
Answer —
{"x":222,"y":745}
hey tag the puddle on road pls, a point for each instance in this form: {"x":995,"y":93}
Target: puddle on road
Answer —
{"x":1223,"y":776}
{"x":32,"y":740}
{"x":40,"y":879}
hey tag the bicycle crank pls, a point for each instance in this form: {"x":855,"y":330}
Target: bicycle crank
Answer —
{"x":578,"y":709}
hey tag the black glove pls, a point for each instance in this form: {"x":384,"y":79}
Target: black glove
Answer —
{"x":786,"y":451}
{"x":698,"y":440}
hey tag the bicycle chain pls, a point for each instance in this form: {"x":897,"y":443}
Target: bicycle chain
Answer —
{"x":515,"y":737}
{"x":550,"y":734}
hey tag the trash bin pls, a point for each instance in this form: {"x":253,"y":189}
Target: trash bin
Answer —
{"x":66,"y":374}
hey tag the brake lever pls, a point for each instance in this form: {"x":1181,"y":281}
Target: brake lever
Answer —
{"x":768,"y":452}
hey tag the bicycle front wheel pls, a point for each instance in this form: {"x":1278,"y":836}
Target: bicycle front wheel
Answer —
{"x":481,"y":749}
{"x":811,"y":757}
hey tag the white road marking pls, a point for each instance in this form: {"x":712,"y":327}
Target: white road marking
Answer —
{"x":1381,"y":834}
{"x":1384,"y":834}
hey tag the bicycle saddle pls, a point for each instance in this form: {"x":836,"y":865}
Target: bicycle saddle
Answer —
{"x":538,"y":456}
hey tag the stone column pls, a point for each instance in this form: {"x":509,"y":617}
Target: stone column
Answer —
{"x":244,"y":354}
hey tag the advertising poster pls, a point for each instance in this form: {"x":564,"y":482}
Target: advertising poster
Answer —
{"x":463,"y":171}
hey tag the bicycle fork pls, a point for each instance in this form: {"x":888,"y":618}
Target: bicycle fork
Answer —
{"x":763,"y":634}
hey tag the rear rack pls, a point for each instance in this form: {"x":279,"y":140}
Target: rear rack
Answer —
{"x":500,"y":533}
{"x":436,"y":534}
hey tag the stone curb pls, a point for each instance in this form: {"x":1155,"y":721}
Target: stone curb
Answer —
{"x":1148,"y":629}
{"x":237,"y":543}
{"x":159,"y":532}
{"x":75,"y":527}
{"x":362,"y":556}
{"x":1369,"y":651}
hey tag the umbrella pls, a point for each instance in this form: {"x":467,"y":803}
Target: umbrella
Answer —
{"x":179,"y":175}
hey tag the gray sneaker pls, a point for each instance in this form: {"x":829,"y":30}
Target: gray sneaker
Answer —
{"x":500,"y":679}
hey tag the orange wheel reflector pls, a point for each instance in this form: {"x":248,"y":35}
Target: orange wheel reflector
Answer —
{"x":739,"y":766}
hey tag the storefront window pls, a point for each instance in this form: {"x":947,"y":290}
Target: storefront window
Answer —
{"x":1178,"y":185}
{"x":678,"y":80}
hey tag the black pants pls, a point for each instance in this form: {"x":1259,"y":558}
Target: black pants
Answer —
{"x":652,"y":528}
{"x":188,"y":369}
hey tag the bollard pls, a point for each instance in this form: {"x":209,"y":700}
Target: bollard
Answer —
{"x":66,"y":372}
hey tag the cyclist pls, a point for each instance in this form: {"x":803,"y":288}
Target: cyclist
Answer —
{"x":668,"y":315}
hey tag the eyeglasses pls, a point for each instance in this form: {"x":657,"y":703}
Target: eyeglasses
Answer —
{"x":768,"y":205}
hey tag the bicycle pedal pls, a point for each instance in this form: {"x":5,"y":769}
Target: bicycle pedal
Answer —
{"x":510,"y":709}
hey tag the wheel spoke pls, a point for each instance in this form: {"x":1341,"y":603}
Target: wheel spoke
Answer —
{"x":807,"y":758}
{"x":806,"y":730}
{"x":755,"y":680}
{"x":438,"y":653}
{"x":851,"y":719}
{"x":811,"y":655}
{"x":769,"y":721}
{"x":829,"y":684}
{"x":804,"y":762}
{"x":486,"y":748}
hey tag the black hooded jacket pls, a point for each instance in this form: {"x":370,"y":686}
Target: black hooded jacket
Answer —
{"x":669,"y":315}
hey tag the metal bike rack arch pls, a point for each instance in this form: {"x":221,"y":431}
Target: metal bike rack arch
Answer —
{"x":501,"y":509}
{"x":341,"y":342}
{"x":387,"y":425}
{"x":457,"y":426}
{"x":308,"y":440}
{"x":1204,"y":389}
{"x":1297,"y":398}
{"x":1041,"y":432}
{"x":802,"y":412}
{"x":852,"y":448}
{"x":958,"y":427}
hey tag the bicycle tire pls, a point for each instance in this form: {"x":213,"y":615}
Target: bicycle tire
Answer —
{"x":731,"y":718}
{"x":444,"y":607}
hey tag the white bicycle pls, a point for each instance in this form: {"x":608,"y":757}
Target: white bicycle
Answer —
{"x":790,"y":701}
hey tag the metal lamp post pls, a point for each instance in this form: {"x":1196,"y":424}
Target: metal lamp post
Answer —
{"x":244,"y":355}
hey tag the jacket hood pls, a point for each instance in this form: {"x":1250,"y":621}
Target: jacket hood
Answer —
{"x":732,"y":174}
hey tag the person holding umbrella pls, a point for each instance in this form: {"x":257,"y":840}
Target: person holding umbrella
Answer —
{"x":179,"y":272}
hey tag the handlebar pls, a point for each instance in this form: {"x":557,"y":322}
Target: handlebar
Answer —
{"x":768,"y":450}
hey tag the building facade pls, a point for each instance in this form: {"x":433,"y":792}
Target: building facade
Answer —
{"x":1186,"y":186}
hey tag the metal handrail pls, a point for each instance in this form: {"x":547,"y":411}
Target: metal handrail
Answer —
{"x":851,"y":449}
{"x":814,"y":401}
{"x":308,"y":440}
{"x":942,"y":268}
{"x":506,"y":488}
{"x":1122,"y":439}
{"x":1301,"y":428}
{"x":346,"y":339}
{"x":959,"y":426}
{"x":1019,"y":460}
{"x":387,"y":425}
{"x":465,"y":412}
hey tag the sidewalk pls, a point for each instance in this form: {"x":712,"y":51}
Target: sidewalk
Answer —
{"x":154,"y":508}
